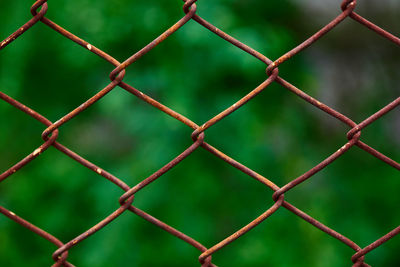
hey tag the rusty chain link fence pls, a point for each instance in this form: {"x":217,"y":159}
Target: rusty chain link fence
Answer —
{"x":50,"y":134}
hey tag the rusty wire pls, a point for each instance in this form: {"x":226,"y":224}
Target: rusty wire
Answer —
{"x":50,"y":134}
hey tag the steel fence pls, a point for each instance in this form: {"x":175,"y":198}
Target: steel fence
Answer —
{"x":50,"y":134}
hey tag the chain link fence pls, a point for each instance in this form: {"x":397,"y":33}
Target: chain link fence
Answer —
{"x":50,"y":134}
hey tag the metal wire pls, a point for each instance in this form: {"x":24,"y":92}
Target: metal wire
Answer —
{"x":50,"y":134}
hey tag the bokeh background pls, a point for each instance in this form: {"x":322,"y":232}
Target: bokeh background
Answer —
{"x":198,"y":74}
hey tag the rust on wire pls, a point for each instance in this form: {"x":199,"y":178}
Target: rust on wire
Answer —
{"x":126,"y":200}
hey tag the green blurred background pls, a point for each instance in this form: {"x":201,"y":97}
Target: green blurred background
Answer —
{"x":198,"y":74}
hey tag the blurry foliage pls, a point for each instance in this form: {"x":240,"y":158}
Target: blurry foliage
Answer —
{"x":197,"y":74}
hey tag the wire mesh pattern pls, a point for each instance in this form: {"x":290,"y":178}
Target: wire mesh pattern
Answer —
{"x":50,"y":134}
